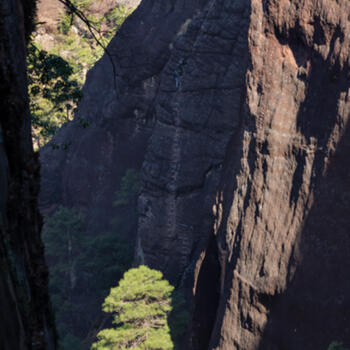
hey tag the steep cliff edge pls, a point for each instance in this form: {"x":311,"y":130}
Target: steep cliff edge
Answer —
{"x":282,"y":228}
{"x":236,"y":112}
{"x":24,"y":303}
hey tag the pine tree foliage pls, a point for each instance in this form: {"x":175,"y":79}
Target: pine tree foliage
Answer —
{"x":63,"y":236}
{"x":63,"y":239}
{"x":129,"y":188}
{"x":83,"y":266}
{"x":54,"y":93}
{"x":56,"y":78}
{"x":336,"y":346}
{"x":141,"y":304}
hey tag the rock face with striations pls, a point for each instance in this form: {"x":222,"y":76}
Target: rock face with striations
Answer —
{"x":237,"y":113}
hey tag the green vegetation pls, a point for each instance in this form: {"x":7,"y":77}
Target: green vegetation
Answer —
{"x":83,"y":267}
{"x":129,"y":188}
{"x":336,"y":346}
{"x":56,"y":77}
{"x":64,"y":242}
{"x":54,"y":93}
{"x":141,"y":304}
{"x":75,"y":42}
{"x":114,"y":20}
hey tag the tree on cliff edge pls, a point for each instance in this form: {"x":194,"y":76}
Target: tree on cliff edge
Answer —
{"x":141,"y":304}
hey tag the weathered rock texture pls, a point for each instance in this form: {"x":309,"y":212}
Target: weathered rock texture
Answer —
{"x":24,"y":304}
{"x":238,"y":113}
{"x":282,"y":228}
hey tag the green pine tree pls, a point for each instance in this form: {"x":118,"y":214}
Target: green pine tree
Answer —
{"x":83,"y":266}
{"x":336,"y":346}
{"x":141,"y":304}
{"x":64,"y":237}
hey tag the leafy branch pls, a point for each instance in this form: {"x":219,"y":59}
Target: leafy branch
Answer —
{"x":93,"y":30}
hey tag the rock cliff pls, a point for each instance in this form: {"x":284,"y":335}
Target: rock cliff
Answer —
{"x":236,"y":112}
{"x":27,"y":321}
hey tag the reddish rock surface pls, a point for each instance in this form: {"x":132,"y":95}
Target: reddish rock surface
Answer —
{"x":283,"y":228}
{"x":237,"y":113}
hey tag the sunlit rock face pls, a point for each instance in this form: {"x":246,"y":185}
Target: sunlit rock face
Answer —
{"x":281,"y":224}
{"x":236,"y":114}
{"x":26,"y":319}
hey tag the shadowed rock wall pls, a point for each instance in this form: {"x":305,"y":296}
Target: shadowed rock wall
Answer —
{"x":121,"y":113}
{"x":26,"y":320}
{"x":236,"y":112}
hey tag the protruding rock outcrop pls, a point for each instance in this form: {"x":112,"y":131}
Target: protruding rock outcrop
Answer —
{"x":237,"y":113}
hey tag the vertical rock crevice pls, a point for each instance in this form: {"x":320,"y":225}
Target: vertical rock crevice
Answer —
{"x":206,"y":297}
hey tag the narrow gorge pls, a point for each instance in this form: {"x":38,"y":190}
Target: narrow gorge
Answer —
{"x":236,"y":114}
{"x":233,"y":116}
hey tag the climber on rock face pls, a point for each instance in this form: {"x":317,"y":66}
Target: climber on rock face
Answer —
{"x":177,"y":75}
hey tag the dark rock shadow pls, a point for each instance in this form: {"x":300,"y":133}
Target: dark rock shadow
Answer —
{"x":206,"y":299}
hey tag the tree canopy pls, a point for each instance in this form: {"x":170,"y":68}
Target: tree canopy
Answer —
{"x":83,"y":266}
{"x":336,"y":346}
{"x":141,"y":304}
{"x":56,"y":76}
{"x":54,"y":93}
